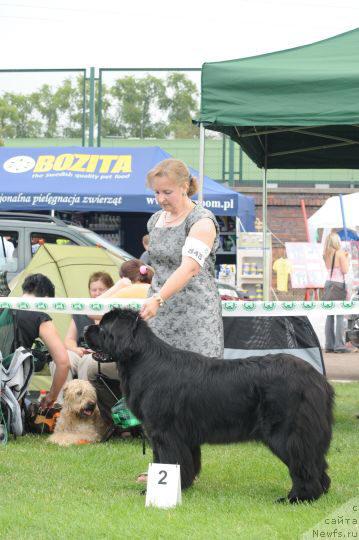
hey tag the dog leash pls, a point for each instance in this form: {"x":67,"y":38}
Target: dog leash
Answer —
{"x":143,"y":437}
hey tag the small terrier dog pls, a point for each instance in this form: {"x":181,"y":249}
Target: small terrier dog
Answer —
{"x":80,"y":421}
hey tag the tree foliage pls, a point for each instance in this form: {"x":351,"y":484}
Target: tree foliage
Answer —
{"x":136,"y":107}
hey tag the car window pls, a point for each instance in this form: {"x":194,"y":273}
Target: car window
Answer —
{"x":8,"y":251}
{"x":37,"y":239}
{"x":97,"y":240}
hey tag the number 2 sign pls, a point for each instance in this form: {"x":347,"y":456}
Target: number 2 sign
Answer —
{"x":163,"y":485}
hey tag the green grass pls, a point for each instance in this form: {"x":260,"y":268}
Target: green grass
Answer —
{"x":89,"y":491}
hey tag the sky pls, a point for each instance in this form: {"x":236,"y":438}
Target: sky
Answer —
{"x":161,"y":33}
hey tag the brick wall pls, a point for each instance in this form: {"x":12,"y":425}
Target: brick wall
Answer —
{"x":285,"y":218}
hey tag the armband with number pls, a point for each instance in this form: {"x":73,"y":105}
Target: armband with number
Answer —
{"x":196,"y":249}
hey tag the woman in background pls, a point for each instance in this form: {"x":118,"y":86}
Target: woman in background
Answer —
{"x":337,"y":264}
{"x":33,"y":324}
{"x":79,"y":355}
{"x":134,"y":282}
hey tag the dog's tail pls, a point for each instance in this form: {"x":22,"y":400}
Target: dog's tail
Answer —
{"x":309,"y":439}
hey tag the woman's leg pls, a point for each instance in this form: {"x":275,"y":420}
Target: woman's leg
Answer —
{"x":83,"y":366}
{"x":107,"y":386}
{"x":329,"y":333}
{"x":339,"y":333}
{"x":75,"y":359}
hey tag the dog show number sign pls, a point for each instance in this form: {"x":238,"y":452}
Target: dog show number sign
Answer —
{"x":163,"y":485}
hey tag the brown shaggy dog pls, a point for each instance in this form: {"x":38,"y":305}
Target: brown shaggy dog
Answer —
{"x":79,"y":421}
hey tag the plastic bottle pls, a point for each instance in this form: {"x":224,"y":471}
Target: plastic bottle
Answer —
{"x":41,"y":395}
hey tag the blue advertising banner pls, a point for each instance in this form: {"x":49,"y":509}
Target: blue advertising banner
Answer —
{"x":97,"y":179}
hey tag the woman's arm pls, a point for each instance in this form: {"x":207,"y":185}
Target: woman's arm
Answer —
{"x":344,"y":261}
{"x":203,"y":230}
{"x":120,"y":284}
{"x":52,"y":340}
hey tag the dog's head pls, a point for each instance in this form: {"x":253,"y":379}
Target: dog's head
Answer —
{"x":80,"y":398}
{"x":115,"y":336}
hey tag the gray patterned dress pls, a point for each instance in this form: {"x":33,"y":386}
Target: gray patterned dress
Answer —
{"x":191,"y":319}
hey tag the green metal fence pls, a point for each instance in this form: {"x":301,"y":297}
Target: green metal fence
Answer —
{"x":129,"y":107}
{"x":35,"y":102}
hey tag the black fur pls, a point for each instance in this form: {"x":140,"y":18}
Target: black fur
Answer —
{"x":185,"y":399}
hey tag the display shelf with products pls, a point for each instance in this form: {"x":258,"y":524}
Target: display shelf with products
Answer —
{"x":227,"y":274}
{"x":227,"y":235}
{"x":250,"y":263}
{"x":107,"y":225}
{"x":101,"y":228}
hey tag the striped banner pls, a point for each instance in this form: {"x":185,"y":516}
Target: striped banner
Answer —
{"x":90,"y":306}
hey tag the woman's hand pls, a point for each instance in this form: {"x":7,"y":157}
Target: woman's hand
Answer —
{"x":46,"y":402}
{"x":80,"y":351}
{"x":149,"y":308}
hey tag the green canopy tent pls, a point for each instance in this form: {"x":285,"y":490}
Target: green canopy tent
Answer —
{"x":69,"y":269}
{"x":297,"y":108}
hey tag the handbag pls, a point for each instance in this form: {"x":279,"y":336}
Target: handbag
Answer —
{"x":333,"y":290}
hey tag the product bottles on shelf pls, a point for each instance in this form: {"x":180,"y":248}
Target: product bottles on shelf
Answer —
{"x":104,"y":222}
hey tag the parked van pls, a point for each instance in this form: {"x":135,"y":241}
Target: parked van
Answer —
{"x":22,"y":234}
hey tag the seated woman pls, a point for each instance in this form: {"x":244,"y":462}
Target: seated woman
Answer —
{"x":33,"y":324}
{"x":135,"y":280}
{"x":79,"y":355}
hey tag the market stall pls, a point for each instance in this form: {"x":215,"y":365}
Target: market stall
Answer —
{"x":106,"y":188}
{"x":291,"y":109}
{"x":335,"y":212}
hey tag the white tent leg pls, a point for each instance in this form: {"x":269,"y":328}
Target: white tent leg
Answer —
{"x":201,"y":162}
{"x":266,"y":276}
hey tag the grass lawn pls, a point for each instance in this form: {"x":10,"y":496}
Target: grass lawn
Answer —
{"x":90,"y":491}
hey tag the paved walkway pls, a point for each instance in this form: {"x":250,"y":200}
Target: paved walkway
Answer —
{"x":344,"y":367}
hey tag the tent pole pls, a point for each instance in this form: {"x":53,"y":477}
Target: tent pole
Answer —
{"x":92,"y":107}
{"x":238,"y":230}
{"x":343,"y":217}
{"x":266,"y":285}
{"x":304,"y":212}
{"x":201,"y":161}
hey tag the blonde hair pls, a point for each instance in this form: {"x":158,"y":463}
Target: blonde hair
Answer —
{"x":176,"y":171}
{"x":332,"y":245}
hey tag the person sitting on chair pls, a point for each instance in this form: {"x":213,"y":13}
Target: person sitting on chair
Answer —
{"x":33,"y":324}
{"x":79,"y":355}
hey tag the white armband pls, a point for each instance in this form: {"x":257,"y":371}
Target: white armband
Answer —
{"x":196,"y":249}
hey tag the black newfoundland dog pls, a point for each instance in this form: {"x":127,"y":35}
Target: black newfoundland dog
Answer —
{"x":185,"y":399}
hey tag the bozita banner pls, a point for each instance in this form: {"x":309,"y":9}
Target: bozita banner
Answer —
{"x":97,"y":179}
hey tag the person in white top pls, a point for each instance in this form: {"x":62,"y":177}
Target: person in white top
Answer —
{"x":7,"y":248}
